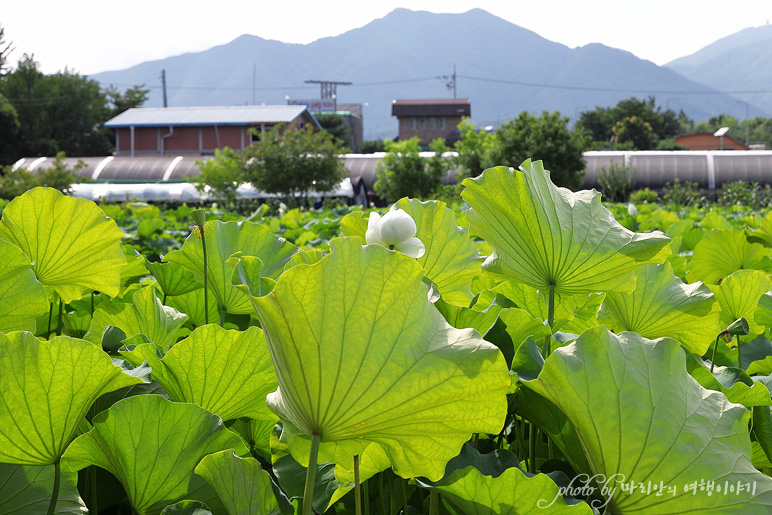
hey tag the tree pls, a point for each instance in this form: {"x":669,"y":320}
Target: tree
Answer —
{"x":372,"y":146}
{"x":5,"y":50}
{"x":404,"y":173}
{"x":473,"y":148}
{"x":293,"y":163}
{"x":600,"y":123}
{"x":223,"y":174}
{"x":119,"y":102}
{"x":636,"y":131}
{"x":546,"y":138}
{"x":337,"y":128}
{"x":57,"y":176}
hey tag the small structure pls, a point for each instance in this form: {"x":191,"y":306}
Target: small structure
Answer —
{"x":709,"y":141}
{"x":199,"y":131}
{"x":431,"y":119}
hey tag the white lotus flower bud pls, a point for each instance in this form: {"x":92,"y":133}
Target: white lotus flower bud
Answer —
{"x":396,"y":230}
{"x":632,"y":210}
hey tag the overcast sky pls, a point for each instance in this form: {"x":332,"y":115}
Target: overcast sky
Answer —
{"x":91,"y":36}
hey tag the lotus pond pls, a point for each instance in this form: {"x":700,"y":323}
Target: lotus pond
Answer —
{"x":535,"y":352}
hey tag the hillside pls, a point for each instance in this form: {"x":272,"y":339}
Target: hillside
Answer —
{"x":502,"y":67}
{"x":740,"y":62}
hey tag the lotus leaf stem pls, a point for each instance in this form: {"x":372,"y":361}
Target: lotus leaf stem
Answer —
{"x":308,"y":493}
{"x":55,"y":493}
{"x":357,"y":493}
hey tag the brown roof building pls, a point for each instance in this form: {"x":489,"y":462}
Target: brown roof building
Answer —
{"x":430,"y":119}
{"x":707,"y":141}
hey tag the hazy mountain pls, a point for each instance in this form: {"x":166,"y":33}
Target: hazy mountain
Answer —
{"x":502,"y":67}
{"x":740,"y":62}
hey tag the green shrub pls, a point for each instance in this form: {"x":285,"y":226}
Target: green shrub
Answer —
{"x":683,"y":194}
{"x":616,"y":181}
{"x":644,"y":196}
{"x":747,"y":194}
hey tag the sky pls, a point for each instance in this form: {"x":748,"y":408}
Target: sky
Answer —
{"x":92,"y":36}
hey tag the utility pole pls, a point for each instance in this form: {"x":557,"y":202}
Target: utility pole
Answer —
{"x":746,"y":120}
{"x":329,"y":89}
{"x":451,"y":81}
{"x":163,"y":85}
{"x":254,"y":81}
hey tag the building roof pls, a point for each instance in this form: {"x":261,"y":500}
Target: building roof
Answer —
{"x":709,"y":141}
{"x":432,"y":107}
{"x":213,"y":115}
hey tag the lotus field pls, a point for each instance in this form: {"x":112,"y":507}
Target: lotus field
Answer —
{"x":536,"y":352}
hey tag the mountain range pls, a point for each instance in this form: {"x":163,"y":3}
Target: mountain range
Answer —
{"x":503,"y":68}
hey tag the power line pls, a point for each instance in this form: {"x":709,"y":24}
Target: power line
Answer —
{"x":613,"y":90}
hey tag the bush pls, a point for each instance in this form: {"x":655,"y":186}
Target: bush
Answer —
{"x":223,"y":174}
{"x":748,"y":194}
{"x":57,"y":176}
{"x":683,"y":194}
{"x":644,"y":196}
{"x":616,"y":181}
{"x":404,"y":173}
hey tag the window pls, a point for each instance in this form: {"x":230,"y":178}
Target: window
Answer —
{"x":442,"y":123}
{"x":412,"y":123}
{"x":422,"y":124}
{"x":431,"y":123}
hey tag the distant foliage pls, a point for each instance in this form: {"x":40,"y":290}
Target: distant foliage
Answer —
{"x":681,"y":194}
{"x":372,"y":146}
{"x":222,"y":174}
{"x":57,"y":176}
{"x":751,"y":195}
{"x":644,"y":196}
{"x":616,"y":181}
{"x":404,"y":173}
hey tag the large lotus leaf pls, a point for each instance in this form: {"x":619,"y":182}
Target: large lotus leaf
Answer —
{"x":173,"y":279}
{"x":242,"y":485}
{"x":732,"y":382}
{"x":72,"y":245}
{"x":256,"y":433}
{"x":764,"y":310}
{"x":662,"y":305}
{"x":763,"y":233}
{"x":228,"y":373}
{"x":739,"y":295}
{"x":354,"y":224}
{"x":153,"y":445}
{"x":28,"y":489}
{"x":371,"y":461}
{"x":192,"y":304}
{"x":510,"y":493}
{"x":451,"y":260}
{"x":544,"y":235}
{"x":223,"y":240}
{"x":46,"y":388}
{"x":22,"y":297}
{"x":722,"y":252}
{"x":362,"y":356}
{"x":145,"y":315}
{"x":642,"y":418}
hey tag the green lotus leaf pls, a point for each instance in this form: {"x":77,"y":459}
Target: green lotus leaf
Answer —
{"x":228,"y":373}
{"x":757,"y":353}
{"x":763,"y":233}
{"x":662,"y":305}
{"x":28,"y":488}
{"x":187,"y":508}
{"x":739,"y":295}
{"x":642,"y":418}
{"x":354,"y":224}
{"x":223,"y":240}
{"x":713,"y":220}
{"x":461,"y":317}
{"x":494,"y":485}
{"x":242,"y":485}
{"x":22,"y":297}
{"x":192,"y":304}
{"x":764,"y":310}
{"x":451,"y":260}
{"x":173,"y":279}
{"x":362,"y":356}
{"x":722,"y":252}
{"x":543,"y":235}
{"x":153,"y":445}
{"x":304,"y":257}
{"x":72,"y":245}
{"x":46,"y":388}
{"x":135,"y":268}
{"x":145,"y":315}
{"x":256,"y":433}
{"x":372,"y":461}
{"x":736,"y":384}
